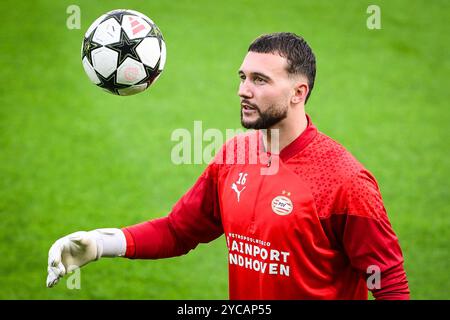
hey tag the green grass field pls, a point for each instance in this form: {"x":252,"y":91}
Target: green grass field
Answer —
{"x":73,"y":157}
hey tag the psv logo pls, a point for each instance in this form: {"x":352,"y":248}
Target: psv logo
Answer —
{"x":282,"y":205}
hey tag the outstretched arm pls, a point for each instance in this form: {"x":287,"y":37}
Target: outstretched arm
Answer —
{"x":194,"y":219}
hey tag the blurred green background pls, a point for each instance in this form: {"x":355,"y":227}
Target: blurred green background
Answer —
{"x":73,"y":157}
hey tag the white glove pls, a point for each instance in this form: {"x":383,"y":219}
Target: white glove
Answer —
{"x":79,"y":248}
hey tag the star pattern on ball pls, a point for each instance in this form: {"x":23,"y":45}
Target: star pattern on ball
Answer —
{"x":151,"y":75}
{"x":118,"y":15}
{"x":88,"y":46}
{"x":155,"y":32}
{"x":126,"y":47}
{"x":110,"y":83}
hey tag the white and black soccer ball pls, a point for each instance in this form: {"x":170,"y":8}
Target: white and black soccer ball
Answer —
{"x":123,"y":52}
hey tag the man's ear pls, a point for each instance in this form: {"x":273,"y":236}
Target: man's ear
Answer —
{"x":301,"y":92}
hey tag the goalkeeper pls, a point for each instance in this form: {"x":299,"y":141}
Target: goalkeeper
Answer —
{"x":307,"y":222}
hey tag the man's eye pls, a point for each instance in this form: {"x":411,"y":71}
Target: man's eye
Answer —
{"x":242,"y":78}
{"x":259,"y":80}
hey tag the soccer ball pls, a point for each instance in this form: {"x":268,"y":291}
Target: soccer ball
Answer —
{"x":123,"y":52}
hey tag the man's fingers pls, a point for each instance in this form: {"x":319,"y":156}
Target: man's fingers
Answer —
{"x":52,"y":279}
{"x":67,"y":250}
{"x":59,"y":270}
{"x":54,"y":254}
{"x":53,"y":276}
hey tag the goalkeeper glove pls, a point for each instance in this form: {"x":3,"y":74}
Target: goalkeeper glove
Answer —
{"x":79,"y":248}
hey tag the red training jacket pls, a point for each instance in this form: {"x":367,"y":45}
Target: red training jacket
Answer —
{"x":308,"y":223}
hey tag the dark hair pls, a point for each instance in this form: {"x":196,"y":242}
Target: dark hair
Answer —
{"x":300,"y":58}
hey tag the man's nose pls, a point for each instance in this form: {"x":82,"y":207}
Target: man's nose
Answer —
{"x":245,"y":90}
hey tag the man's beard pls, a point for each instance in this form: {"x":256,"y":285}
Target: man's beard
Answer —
{"x":266,"y":119}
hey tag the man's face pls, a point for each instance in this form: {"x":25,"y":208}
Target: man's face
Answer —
{"x":265,"y":90}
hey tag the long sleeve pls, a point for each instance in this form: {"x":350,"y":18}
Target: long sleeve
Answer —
{"x":194,"y":219}
{"x":369,"y":240}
